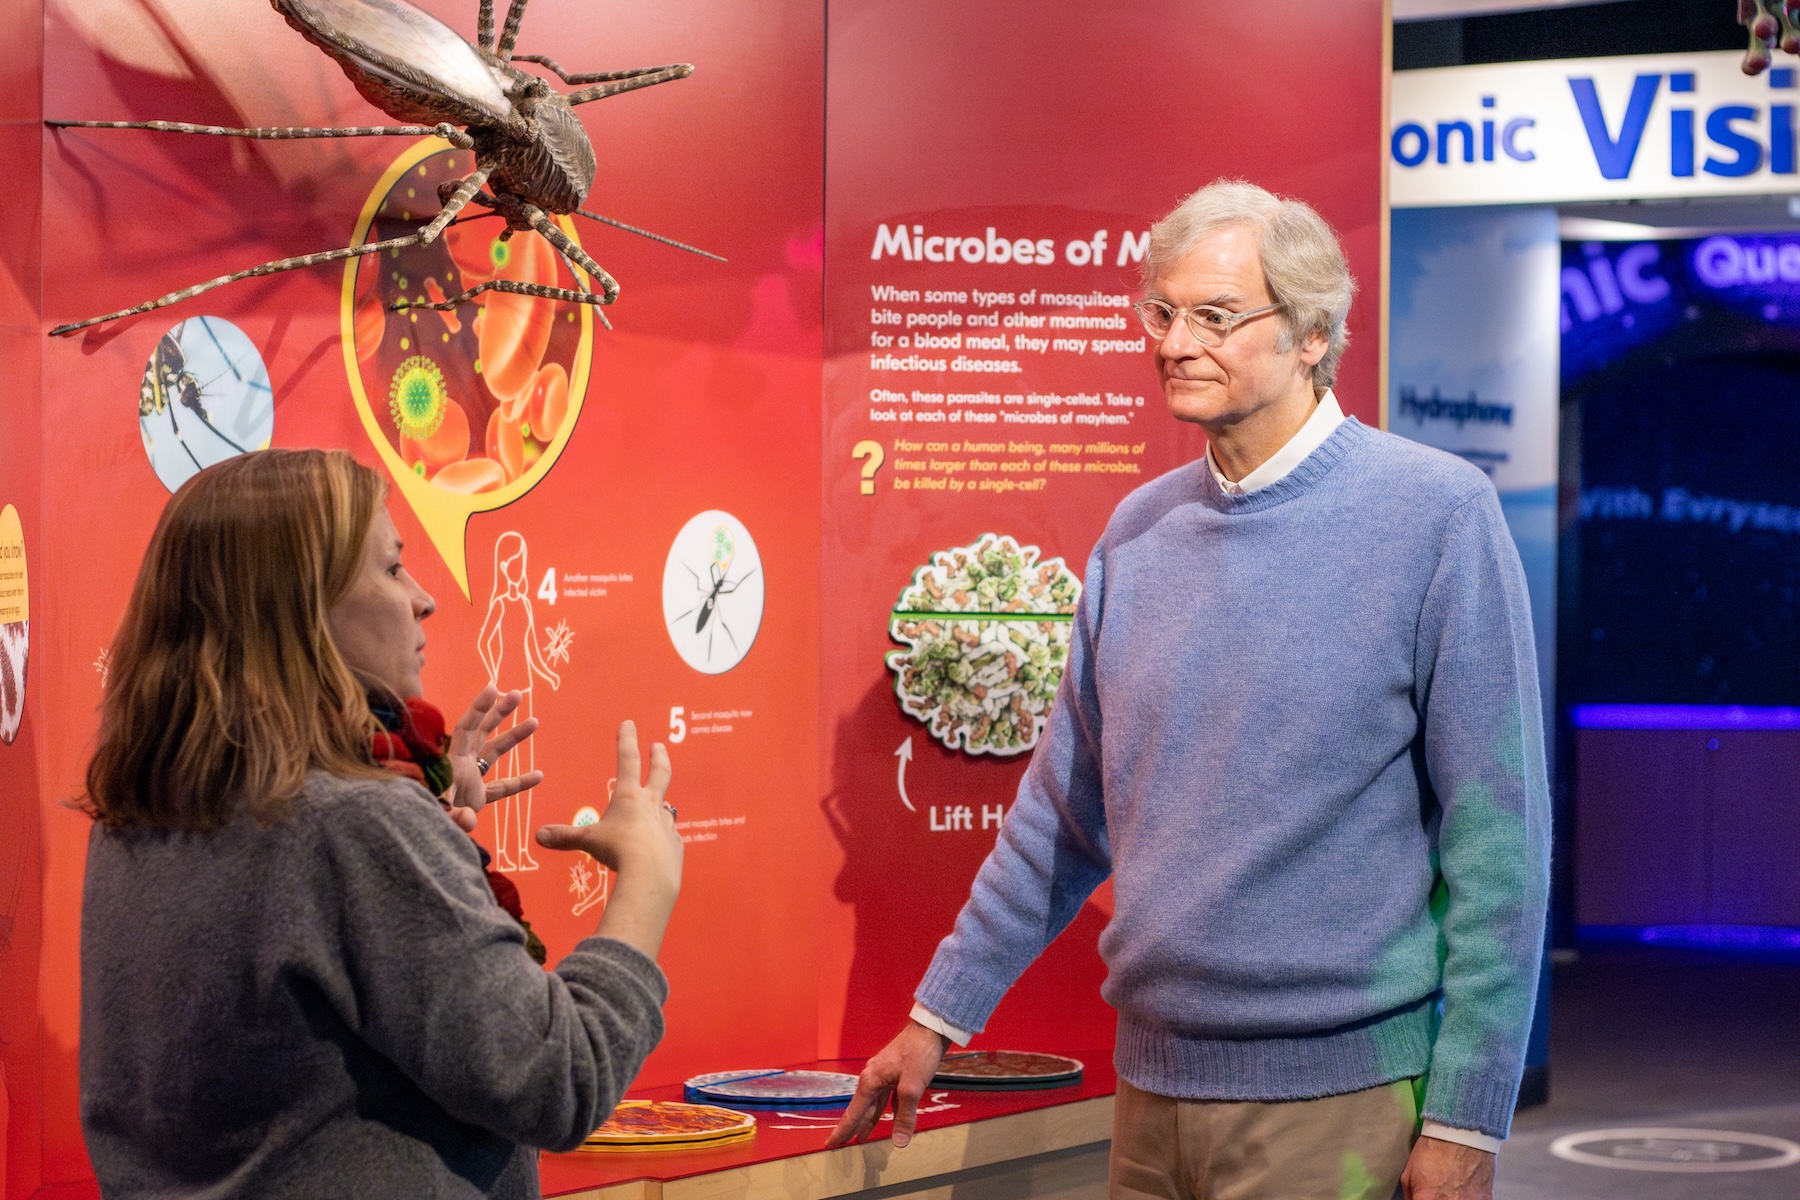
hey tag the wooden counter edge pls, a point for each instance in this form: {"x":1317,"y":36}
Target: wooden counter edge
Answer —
{"x":853,"y":1169}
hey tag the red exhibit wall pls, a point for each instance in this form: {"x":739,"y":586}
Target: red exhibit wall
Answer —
{"x":21,"y":487}
{"x":997,"y":123}
{"x":813,"y":897}
{"x":704,"y":397}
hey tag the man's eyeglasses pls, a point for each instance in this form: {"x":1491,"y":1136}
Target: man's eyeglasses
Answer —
{"x":1209,"y":324}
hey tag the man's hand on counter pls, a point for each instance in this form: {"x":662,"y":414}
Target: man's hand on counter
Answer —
{"x":902,"y":1071}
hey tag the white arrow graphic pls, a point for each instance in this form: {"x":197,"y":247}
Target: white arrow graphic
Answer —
{"x":904,"y":754}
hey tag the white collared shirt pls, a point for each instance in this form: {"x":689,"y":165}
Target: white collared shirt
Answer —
{"x":1325,"y":418}
{"x":1319,"y":426}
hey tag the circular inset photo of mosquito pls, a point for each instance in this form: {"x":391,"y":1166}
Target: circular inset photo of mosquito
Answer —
{"x":713,"y":592}
{"x":205,"y":397}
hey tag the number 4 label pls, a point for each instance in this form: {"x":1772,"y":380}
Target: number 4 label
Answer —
{"x":547,"y":589}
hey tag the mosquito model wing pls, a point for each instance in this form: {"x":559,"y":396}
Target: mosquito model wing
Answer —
{"x":404,"y":61}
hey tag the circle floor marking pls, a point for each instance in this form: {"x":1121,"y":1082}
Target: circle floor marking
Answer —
{"x":1676,"y":1151}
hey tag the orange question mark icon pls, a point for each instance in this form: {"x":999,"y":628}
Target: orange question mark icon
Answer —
{"x":875,"y":456}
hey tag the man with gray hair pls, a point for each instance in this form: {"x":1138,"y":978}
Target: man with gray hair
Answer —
{"x":1299,"y":727}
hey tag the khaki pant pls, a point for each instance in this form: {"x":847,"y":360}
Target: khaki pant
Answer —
{"x":1350,"y":1147}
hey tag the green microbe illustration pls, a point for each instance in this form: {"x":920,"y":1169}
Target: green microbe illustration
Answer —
{"x":417,"y":399}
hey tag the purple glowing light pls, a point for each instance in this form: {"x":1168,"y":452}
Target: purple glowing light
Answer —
{"x":1682,"y":716}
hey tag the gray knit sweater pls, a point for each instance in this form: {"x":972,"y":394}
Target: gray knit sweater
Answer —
{"x":333,"y":1005}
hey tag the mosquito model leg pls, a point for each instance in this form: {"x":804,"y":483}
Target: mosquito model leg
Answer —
{"x":601,"y":91}
{"x":515,"y":13}
{"x":484,"y":25}
{"x":655,"y":237}
{"x":268,"y":268}
{"x":539,"y":290}
{"x":448,"y":132}
{"x":456,"y":203}
{"x":459,"y":200}
{"x":586,"y":290}
{"x":577,"y":79}
{"x":609,"y":286}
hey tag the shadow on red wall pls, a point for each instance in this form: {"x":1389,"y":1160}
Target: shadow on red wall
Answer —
{"x":899,"y":920}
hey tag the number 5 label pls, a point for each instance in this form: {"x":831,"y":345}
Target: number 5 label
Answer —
{"x":677,"y":724}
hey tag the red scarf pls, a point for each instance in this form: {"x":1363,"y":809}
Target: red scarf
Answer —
{"x":414,"y":744}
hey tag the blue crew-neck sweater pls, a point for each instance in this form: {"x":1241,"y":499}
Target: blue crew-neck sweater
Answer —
{"x":1301,"y":730}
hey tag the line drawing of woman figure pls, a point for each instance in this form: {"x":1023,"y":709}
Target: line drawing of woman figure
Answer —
{"x":508,"y":608}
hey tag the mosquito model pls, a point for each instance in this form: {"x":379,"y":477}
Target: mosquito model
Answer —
{"x":532,"y":154}
{"x":168,"y":384}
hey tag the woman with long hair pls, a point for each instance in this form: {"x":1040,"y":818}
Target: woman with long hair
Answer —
{"x":295,"y":979}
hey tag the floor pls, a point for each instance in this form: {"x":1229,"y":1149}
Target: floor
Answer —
{"x":1660,"y":1039}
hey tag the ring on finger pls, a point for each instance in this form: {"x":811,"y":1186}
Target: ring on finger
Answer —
{"x":672,"y":813}
{"x":482,"y":764}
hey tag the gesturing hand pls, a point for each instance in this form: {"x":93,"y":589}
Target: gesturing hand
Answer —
{"x":473,"y":739}
{"x":1439,"y":1170}
{"x":902,"y":1071}
{"x":636,"y":837}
